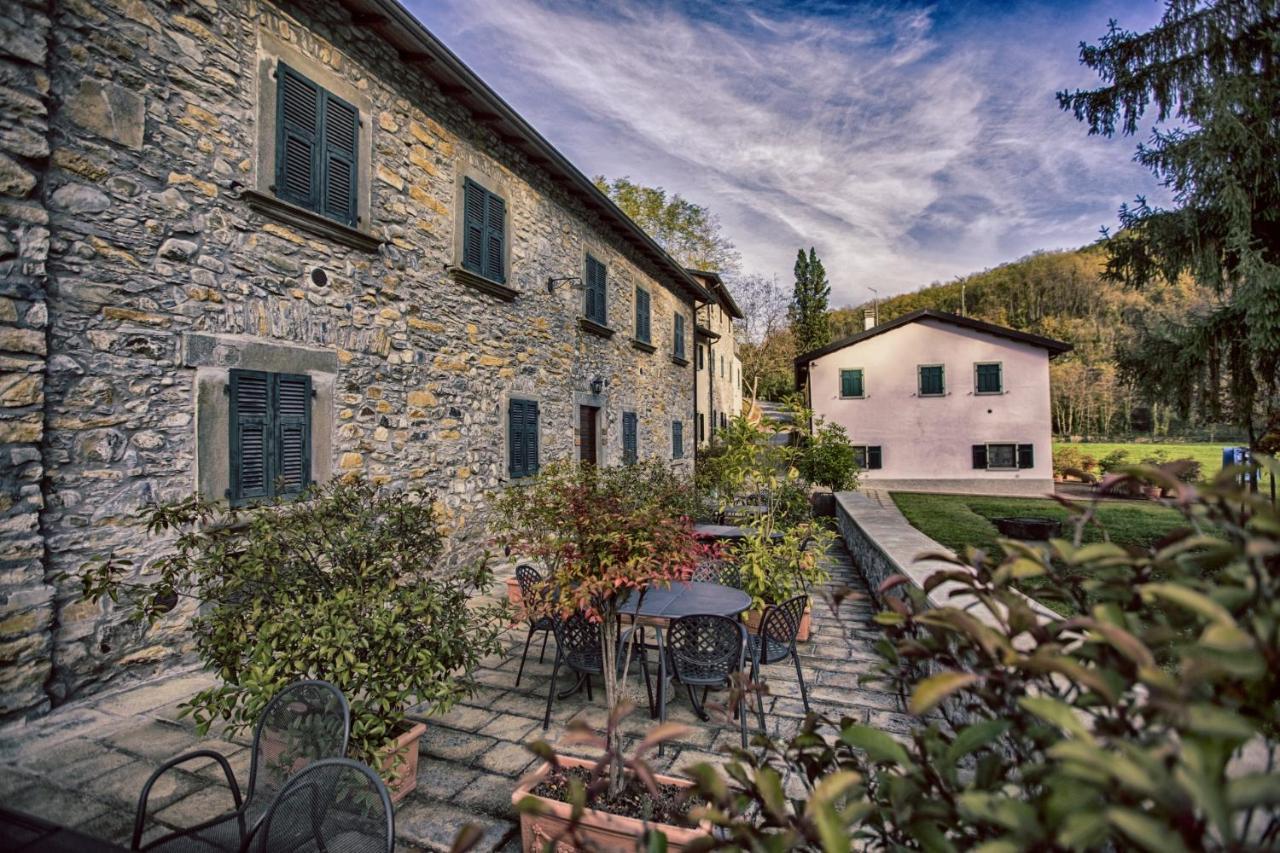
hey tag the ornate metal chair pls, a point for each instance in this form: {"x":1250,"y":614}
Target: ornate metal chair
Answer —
{"x":529,"y":579}
{"x":578,"y":648}
{"x":705,"y":651}
{"x":303,"y":723}
{"x":718,"y":571}
{"x":777,"y":641}
{"x":335,"y":805}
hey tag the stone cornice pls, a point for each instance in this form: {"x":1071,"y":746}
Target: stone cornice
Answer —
{"x":482,"y":284}
{"x":594,"y":328}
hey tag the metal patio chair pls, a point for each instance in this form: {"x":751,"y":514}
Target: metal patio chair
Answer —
{"x":529,"y":579}
{"x":303,"y":723}
{"x":578,"y":648}
{"x":336,"y":805}
{"x":776,"y":642}
{"x":718,"y":571}
{"x":705,"y":651}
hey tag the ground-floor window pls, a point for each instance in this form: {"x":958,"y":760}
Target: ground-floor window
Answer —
{"x":270,"y":434}
{"x":630,"y":440}
{"x":868,"y":457}
{"x":522,"y":438}
{"x":1003,"y":456}
{"x":677,"y":440}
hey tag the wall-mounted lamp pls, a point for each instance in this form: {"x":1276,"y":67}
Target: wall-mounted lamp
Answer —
{"x":552,"y":282}
{"x":597,"y":385}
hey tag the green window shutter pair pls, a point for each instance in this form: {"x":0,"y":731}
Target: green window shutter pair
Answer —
{"x":270,"y":435}
{"x":988,"y":378}
{"x":642,"y":314}
{"x":317,"y":145}
{"x":484,"y":223}
{"x":679,"y":340}
{"x":1004,"y":456}
{"x":595,"y":287}
{"x":629,"y":438}
{"x":932,"y":380}
{"x":851,"y":383}
{"x":522,"y":438}
{"x":677,"y":440}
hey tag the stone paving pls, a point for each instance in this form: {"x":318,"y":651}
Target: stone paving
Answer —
{"x":84,"y":764}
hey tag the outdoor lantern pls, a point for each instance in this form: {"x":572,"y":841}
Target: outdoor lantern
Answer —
{"x":597,"y":385}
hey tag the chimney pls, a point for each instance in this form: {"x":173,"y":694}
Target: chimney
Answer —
{"x":868,"y":320}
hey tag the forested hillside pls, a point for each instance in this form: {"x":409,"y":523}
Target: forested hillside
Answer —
{"x":1063,"y":295}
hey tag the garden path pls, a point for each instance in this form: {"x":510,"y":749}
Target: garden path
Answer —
{"x":84,"y":764}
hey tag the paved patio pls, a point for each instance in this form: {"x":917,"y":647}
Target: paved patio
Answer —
{"x":84,"y":764}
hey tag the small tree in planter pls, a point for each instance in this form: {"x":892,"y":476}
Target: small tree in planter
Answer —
{"x":603,"y":534}
{"x":774,"y":569}
{"x":342,"y":586}
{"x":823,"y":454}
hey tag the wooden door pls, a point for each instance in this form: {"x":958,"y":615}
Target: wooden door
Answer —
{"x":587,"y":418}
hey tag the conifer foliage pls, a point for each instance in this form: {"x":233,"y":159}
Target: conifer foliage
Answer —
{"x":808,"y":311}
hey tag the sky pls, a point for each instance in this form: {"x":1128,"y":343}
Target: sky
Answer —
{"x":907,"y":142}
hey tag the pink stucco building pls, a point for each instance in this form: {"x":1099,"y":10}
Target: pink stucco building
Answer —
{"x":940,"y":402}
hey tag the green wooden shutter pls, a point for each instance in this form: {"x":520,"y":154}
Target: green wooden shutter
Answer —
{"x":980,"y":456}
{"x":1026,"y":456}
{"x":677,"y":440}
{"x":679,"y":341}
{"x":629,"y":442}
{"x":701,"y":362}
{"x":251,"y":439}
{"x":932,"y":382}
{"x":851,"y":383}
{"x":642,"y":314}
{"x":531,"y":437}
{"x":594,"y":287}
{"x":292,"y":428}
{"x":341,"y":123}
{"x":874,"y":457}
{"x":473,"y":217}
{"x":298,"y":122}
{"x":516,"y":443}
{"x":989,"y":379}
{"x":495,"y":223}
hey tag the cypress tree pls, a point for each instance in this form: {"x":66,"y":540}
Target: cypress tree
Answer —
{"x":808,"y":311}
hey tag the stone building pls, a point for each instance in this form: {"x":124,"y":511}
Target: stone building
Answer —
{"x":249,"y":245}
{"x":719,"y":370}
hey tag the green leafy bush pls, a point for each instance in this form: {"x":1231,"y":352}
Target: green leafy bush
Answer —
{"x":343,"y":586}
{"x":1119,"y":725}
{"x":1114,"y":461}
{"x":775,"y":569}
{"x":1066,"y":459}
{"x":826,"y":458}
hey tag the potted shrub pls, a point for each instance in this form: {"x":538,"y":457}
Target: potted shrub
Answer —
{"x":824,"y":457}
{"x":602,"y":535}
{"x":342,"y":585}
{"x":774,"y":569}
{"x":564,"y":803}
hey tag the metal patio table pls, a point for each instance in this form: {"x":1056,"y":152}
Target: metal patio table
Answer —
{"x":683,"y":598}
{"x":728,"y":532}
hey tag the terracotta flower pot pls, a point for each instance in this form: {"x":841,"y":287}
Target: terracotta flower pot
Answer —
{"x":406,"y":745}
{"x":752,"y":619}
{"x":606,"y":832}
{"x":513,"y":592}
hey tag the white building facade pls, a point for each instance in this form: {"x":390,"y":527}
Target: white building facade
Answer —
{"x":941,"y":403}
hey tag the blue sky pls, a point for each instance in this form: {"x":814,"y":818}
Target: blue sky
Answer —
{"x":908,"y":142}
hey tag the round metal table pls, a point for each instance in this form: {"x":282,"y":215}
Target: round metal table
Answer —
{"x":728,"y":532}
{"x":686,"y":598}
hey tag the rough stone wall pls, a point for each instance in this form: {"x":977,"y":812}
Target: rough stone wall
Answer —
{"x":155,"y":143}
{"x":25,"y":613}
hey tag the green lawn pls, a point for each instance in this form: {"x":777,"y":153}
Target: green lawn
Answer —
{"x":1208,"y":455}
{"x":959,"y":520}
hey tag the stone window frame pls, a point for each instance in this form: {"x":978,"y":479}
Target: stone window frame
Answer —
{"x":502,"y":187}
{"x":261,"y":197}
{"x":979,"y":393}
{"x":213,"y":356}
{"x":840,"y":372}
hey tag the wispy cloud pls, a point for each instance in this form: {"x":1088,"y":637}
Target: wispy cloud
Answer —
{"x":907,"y":144}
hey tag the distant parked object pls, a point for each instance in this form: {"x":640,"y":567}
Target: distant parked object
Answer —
{"x":939,"y":402}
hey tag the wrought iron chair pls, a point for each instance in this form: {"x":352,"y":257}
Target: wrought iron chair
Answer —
{"x":335,"y":805}
{"x":718,"y":571}
{"x":303,"y":723}
{"x":705,"y":651}
{"x":776,"y":642}
{"x":529,"y":579}
{"x":578,"y":648}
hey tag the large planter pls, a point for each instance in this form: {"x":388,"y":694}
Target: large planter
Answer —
{"x":1028,"y":528}
{"x":513,"y":592}
{"x":752,"y":619}
{"x":406,"y":745}
{"x":605,"y":831}
{"x":823,"y":504}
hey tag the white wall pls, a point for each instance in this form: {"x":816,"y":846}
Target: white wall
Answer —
{"x":930,"y":439}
